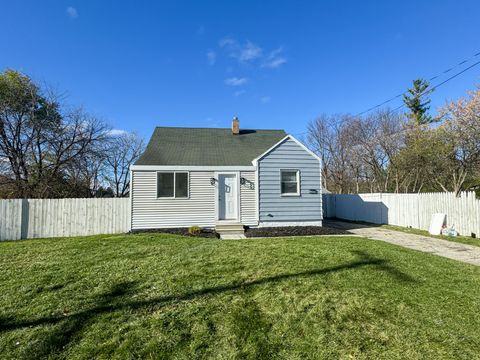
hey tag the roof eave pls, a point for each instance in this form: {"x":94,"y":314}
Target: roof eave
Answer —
{"x":192,"y":168}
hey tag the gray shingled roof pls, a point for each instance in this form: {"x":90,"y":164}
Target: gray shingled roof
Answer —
{"x":207,"y":146}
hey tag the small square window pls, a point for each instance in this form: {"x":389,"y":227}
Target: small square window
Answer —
{"x":290,"y":182}
{"x":172,"y":185}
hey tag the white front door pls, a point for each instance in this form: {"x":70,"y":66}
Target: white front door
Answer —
{"x":227,"y":197}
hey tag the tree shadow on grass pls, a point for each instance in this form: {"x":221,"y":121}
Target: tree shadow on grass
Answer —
{"x":252,"y":331}
{"x":385,"y":266}
{"x":68,"y":328}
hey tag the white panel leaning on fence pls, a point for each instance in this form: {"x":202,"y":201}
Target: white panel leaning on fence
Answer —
{"x":408,"y":210}
{"x":37,"y":218}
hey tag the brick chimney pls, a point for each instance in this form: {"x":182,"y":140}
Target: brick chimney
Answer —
{"x":235,"y":126}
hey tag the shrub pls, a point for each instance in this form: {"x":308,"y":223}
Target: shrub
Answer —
{"x":194,"y":230}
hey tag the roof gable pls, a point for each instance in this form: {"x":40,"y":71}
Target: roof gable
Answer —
{"x":287,"y":137}
{"x":207,"y":146}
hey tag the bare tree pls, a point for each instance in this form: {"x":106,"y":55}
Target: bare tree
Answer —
{"x":19,"y":105}
{"x":88,"y":173}
{"x":328,"y":137}
{"x":358,"y":153}
{"x":319,"y":132}
{"x":40,"y":141}
{"x":378,"y":138}
{"x":77,"y":138}
{"x":123,"y":151}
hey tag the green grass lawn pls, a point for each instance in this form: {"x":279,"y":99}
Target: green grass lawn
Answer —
{"x":461,"y":239}
{"x":165,"y":296}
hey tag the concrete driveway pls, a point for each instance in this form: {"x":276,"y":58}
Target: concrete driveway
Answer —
{"x":449,"y":249}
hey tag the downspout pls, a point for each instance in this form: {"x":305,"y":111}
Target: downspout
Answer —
{"x":131,"y":201}
{"x":257,"y":191}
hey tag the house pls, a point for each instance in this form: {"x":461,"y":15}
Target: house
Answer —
{"x":211,"y":177}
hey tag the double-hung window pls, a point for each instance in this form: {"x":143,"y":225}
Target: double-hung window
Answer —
{"x":290,"y":182}
{"x":172,"y":184}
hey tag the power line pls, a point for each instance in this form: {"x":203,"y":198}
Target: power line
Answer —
{"x":432,"y":78}
{"x":427,"y":91}
{"x":454,"y":76}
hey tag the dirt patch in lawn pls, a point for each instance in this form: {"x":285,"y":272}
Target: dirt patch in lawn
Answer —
{"x":293,"y":231}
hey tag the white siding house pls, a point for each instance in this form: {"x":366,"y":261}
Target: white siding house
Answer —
{"x":150,"y":212}
{"x":209,"y":177}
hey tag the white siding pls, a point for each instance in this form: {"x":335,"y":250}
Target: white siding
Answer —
{"x":248,"y":201}
{"x":150,"y":212}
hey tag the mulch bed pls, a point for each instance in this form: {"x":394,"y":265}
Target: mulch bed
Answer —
{"x":292,"y":231}
{"x":255,"y":232}
{"x":205,"y":233}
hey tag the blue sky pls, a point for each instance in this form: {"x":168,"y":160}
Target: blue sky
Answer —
{"x":274,"y":64}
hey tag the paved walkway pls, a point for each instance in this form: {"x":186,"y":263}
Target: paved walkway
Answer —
{"x":449,"y":249}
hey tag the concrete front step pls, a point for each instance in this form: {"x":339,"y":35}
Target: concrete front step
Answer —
{"x":229,"y":227}
{"x":230,"y":231}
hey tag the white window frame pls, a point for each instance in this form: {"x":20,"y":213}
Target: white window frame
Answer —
{"x":174,"y":184}
{"x":298,"y":182}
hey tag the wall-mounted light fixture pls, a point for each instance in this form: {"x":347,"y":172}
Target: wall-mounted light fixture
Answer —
{"x":212,"y":181}
{"x":243,"y":181}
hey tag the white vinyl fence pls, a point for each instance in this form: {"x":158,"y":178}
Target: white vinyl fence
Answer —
{"x":409,"y":210}
{"x":37,"y":218}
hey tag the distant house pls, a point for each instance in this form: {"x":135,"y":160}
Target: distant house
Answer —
{"x":209,"y":177}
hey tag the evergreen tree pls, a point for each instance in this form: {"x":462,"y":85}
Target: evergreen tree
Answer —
{"x":418,"y":103}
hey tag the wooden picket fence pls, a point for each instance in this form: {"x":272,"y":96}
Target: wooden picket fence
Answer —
{"x":409,"y":210}
{"x":38,"y":218}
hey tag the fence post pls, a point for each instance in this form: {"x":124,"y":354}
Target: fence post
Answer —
{"x":24,"y":219}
